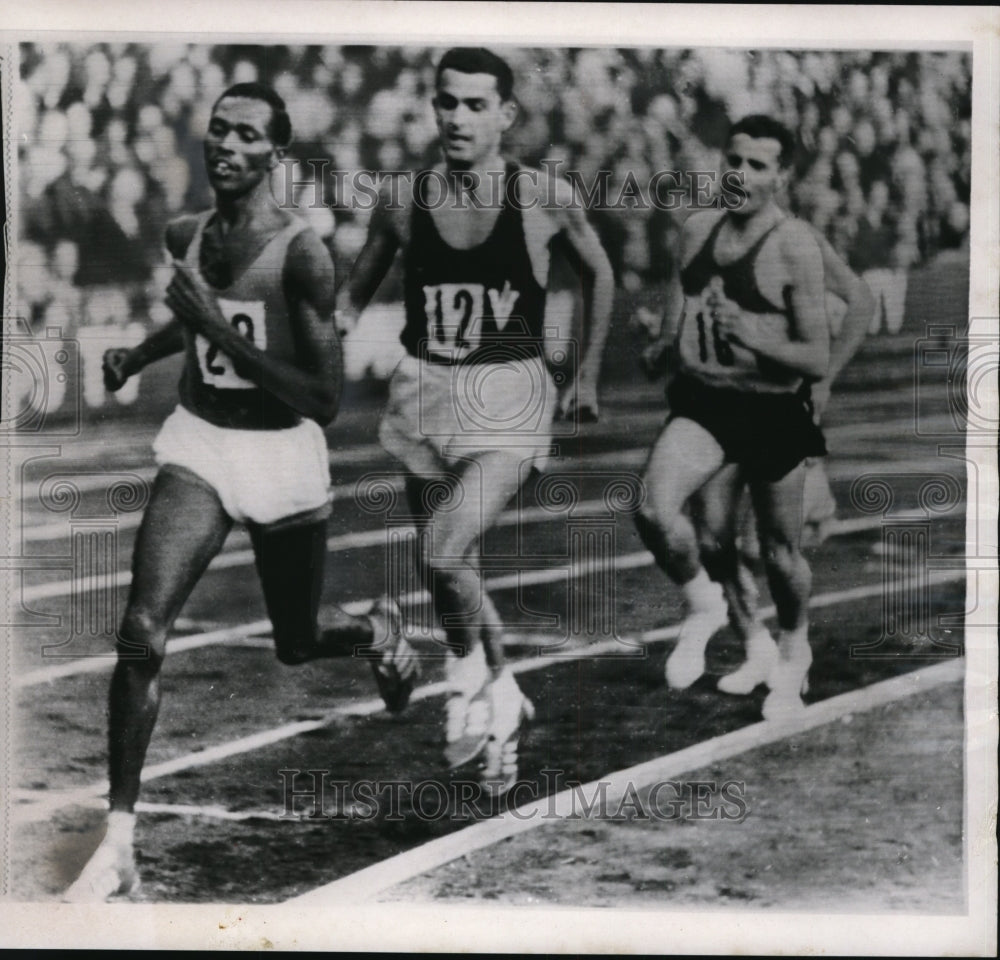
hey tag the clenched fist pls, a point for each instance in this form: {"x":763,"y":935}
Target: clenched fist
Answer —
{"x":115,"y":368}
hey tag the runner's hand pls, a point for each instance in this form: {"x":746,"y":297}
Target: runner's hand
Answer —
{"x":189,"y":297}
{"x":655,"y":359}
{"x":115,"y":368}
{"x":579,"y":400}
{"x":820,"y":392}
{"x":734,"y":324}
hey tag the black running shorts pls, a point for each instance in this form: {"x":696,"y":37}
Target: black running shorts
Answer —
{"x":768,"y":434}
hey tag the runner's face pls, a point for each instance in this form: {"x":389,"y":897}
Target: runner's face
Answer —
{"x":757,"y":159}
{"x":239,"y":152}
{"x":471,"y":116}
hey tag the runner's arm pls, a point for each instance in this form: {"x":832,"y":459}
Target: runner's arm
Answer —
{"x":657,"y":356}
{"x":573,"y":223}
{"x":809,"y":352}
{"x":843,"y":282}
{"x":120,"y":363}
{"x":312,"y":385}
{"x":371,"y":266}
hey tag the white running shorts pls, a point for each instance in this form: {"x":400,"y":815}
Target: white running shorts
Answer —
{"x":438,"y":414}
{"x":261,"y":476}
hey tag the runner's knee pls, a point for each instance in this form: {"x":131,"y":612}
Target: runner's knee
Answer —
{"x":781,"y":555}
{"x":294,"y":641}
{"x":289,"y":654}
{"x":444,"y":570}
{"x":719,"y":558}
{"x":647,"y":522}
{"x":142,"y":639}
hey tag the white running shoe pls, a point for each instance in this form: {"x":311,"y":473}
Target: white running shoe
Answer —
{"x":761,"y":656}
{"x":469,"y":708}
{"x":511,"y":710}
{"x":467,"y":726}
{"x":110,"y":872}
{"x":687,"y":661}
{"x":788,"y":682}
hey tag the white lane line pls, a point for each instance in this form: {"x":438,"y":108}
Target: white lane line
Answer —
{"x":59,"y":529}
{"x":41,"y":803}
{"x":363,"y":539}
{"x":259,"y":628}
{"x":338,"y":543}
{"x":632,"y":456}
{"x":83,"y":454}
{"x":368,"y":883}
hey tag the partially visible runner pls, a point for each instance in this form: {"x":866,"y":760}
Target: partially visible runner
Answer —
{"x":253,"y":301}
{"x":747,"y":318}
{"x":722,"y":516}
{"x":471,"y":404}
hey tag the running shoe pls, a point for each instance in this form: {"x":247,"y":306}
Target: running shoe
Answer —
{"x":397,"y":670}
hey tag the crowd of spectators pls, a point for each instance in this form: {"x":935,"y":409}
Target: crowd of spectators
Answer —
{"x":110,"y":147}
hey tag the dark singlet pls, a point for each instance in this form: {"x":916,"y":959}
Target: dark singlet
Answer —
{"x":704,"y":352}
{"x":459,"y":307}
{"x":255,"y":304}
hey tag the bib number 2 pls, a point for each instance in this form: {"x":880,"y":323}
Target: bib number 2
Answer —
{"x":247,"y":318}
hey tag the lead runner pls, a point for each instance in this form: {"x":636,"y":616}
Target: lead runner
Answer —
{"x":471,"y":403}
{"x":253,"y":301}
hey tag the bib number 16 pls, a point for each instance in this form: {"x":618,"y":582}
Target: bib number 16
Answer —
{"x":721,"y":347}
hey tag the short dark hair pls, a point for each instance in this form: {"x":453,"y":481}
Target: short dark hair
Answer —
{"x":280,"y":127}
{"x":478,"y":60}
{"x":760,"y":126}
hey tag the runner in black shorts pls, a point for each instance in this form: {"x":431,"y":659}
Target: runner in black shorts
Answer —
{"x":747,"y":321}
{"x":727,"y":530}
{"x":769,"y":434}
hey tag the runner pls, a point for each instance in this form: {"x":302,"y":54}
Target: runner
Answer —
{"x":253,"y":301}
{"x":471,"y":403}
{"x":747,"y":317}
{"x":727,"y":534}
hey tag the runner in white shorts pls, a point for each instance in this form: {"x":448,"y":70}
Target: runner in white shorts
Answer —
{"x":253,"y":300}
{"x":472,"y":402}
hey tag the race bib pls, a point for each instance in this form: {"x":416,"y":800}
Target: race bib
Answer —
{"x":455,"y":314}
{"x":454,"y":317}
{"x":703,"y":345}
{"x":247,"y":318}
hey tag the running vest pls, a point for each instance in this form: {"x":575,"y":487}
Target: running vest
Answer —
{"x":254,"y":303}
{"x":704,"y":353}
{"x":479,"y":305}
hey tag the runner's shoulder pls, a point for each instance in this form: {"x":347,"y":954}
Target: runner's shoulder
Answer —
{"x":797,"y":240}
{"x":179,"y":233}
{"x":695,"y":230}
{"x":698,"y":225}
{"x":554,"y":196}
{"x":308,"y":263}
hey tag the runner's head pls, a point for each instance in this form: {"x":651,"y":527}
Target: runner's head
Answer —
{"x":247,"y":133}
{"x":474,"y":104}
{"x":761,"y":149}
